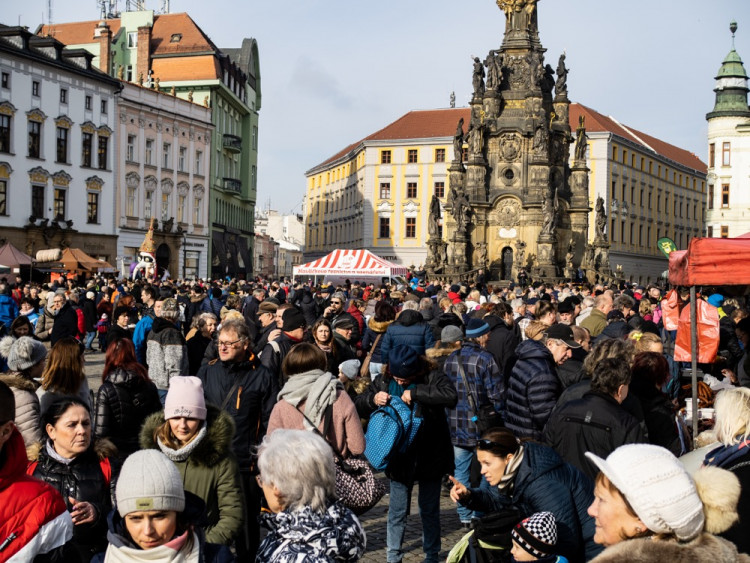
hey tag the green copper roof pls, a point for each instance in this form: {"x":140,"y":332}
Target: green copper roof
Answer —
{"x":732,"y":66}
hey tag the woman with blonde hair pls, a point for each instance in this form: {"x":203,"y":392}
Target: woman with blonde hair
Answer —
{"x":732,"y":430}
{"x":63,"y":375}
{"x":646,"y":342}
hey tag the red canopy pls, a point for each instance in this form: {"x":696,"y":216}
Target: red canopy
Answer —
{"x":711,"y":261}
{"x":350,"y":263}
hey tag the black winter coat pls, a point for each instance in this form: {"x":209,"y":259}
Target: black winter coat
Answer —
{"x":261,"y":338}
{"x":83,"y":480}
{"x":271,"y":359}
{"x":596,"y":423}
{"x":196,"y":348}
{"x":308,"y":307}
{"x":90,"y":317}
{"x":250,"y":404}
{"x":658,"y":416}
{"x":502,"y":343}
{"x":123,"y":402}
{"x":66,"y":324}
{"x":431,"y":454}
{"x":571,"y":371}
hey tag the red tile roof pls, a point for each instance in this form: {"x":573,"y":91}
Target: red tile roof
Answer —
{"x":595,"y":121}
{"x":426,"y":124}
{"x":200,"y":67}
{"x":76,"y":33}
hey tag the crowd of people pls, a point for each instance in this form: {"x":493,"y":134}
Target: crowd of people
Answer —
{"x":226,"y":407}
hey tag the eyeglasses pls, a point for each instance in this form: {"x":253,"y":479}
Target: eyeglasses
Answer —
{"x":229,"y":344}
{"x":335,"y":302}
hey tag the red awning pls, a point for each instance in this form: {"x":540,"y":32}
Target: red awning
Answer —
{"x":711,"y":261}
{"x":350,"y":263}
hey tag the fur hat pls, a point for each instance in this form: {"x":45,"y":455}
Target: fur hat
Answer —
{"x":22,"y":353}
{"x":149,"y":481}
{"x":537,"y":534}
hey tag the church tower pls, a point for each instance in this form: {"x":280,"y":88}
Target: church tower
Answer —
{"x":729,"y":150}
{"x":514,"y":201}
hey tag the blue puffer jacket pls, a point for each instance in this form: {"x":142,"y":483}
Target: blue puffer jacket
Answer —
{"x":533,"y":390}
{"x":409,"y":329}
{"x":544,"y":482}
{"x":8,"y":310}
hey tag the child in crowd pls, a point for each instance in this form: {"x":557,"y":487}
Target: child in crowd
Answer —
{"x":535,"y":538}
{"x":102,"y":327}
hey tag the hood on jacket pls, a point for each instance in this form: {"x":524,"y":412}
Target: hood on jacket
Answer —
{"x":441,"y":351}
{"x":409,"y":318}
{"x":378,"y":326}
{"x":529,"y":349}
{"x":14,"y":465}
{"x":213,"y":448}
{"x":335,"y":534}
{"x":198,"y":298}
{"x":124,"y":377}
{"x":14,"y":379}
{"x":162,"y":324}
{"x":102,"y":447}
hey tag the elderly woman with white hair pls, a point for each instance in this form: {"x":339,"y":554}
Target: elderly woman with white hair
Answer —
{"x":306,"y":523}
{"x":732,"y":431}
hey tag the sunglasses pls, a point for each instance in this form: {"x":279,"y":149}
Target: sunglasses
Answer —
{"x":484,"y":444}
{"x":335,"y":302}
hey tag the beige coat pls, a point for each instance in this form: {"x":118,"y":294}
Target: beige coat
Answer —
{"x":27,"y":406}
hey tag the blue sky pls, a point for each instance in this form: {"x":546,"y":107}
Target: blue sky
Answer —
{"x":334,"y":71}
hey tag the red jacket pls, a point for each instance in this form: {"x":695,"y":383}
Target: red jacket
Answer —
{"x":33,"y":515}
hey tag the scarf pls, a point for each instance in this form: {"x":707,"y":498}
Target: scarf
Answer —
{"x":316,"y":388}
{"x":56,"y":456}
{"x":175,"y":551}
{"x":507,"y":480}
{"x":725,"y":456}
{"x":327,"y":348}
{"x":184,"y":452}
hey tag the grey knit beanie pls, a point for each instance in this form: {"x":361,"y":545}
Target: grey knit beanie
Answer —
{"x":23,"y":353}
{"x":149,"y":481}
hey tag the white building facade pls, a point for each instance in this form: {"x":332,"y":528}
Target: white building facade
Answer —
{"x":57,"y":156}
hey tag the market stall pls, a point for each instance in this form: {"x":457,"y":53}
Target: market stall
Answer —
{"x":353,"y":264}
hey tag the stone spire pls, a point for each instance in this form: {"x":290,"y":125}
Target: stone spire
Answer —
{"x":731,"y":86}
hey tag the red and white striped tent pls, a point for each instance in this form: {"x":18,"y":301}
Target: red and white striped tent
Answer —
{"x":350,"y":263}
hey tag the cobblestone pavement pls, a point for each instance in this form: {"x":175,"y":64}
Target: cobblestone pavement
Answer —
{"x":374,"y":521}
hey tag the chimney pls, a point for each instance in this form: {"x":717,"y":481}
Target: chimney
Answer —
{"x":144,"y":51}
{"x":104,"y":37}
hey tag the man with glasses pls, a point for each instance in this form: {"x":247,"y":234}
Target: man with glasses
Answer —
{"x":66,"y":319}
{"x":247,"y":391}
{"x":336,"y":310}
{"x":534,"y":385}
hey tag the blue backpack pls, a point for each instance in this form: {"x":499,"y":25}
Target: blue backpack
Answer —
{"x":392,"y":429}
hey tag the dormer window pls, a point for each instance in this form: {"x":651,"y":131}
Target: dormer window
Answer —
{"x":176,"y":37}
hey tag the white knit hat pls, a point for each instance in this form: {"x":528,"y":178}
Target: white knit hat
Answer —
{"x":657,"y":486}
{"x":149,"y":481}
{"x":22,"y":353}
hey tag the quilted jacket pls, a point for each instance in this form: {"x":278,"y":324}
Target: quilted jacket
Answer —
{"x":409,"y":329}
{"x":166,"y":353}
{"x":27,"y":406}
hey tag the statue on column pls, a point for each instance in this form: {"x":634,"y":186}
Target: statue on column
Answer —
{"x":460,"y":208}
{"x":581,"y":140}
{"x":549,"y":212}
{"x":520,"y":254}
{"x":481,"y":255}
{"x":475,"y":138}
{"x":600,"y":220}
{"x":433,"y":223}
{"x":588,"y":256}
{"x":458,"y":141}
{"x":478,"y":78}
{"x":561,"y":86}
{"x":570,"y":254}
{"x":493,"y":62}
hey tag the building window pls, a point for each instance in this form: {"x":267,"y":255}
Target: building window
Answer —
{"x":62,"y":144}
{"x":385,"y":190}
{"x":181,"y":161}
{"x":87,"y":141}
{"x":4,"y":133}
{"x":255,"y":137}
{"x":199,"y":162}
{"x":632,"y":239}
{"x":726,"y":154}
{"x":385,"y":228}
{"x":709,"y":232}
{"x":104,"y":106}
{"x":130,"y":203}
{"x":181,"y":209}
{"x":130,"y":155}
{"x":102,"y":152}
{"x":35,"y":88}
{"x":725,"y":195}
{"x":87,"y":103}
{"x":411,"y":190}
{"x":5,"y":80}
{"x":385,"y":157}
{"x":149,"y":156}
{"x":3,"y":197}
{"x":37,"y":201}
{"x":166,"y":155}
{"x":614,"y":153}
{"x":129,"y":73}
{"x":412,"y":156}
{"x":440,"y":189}
{"x":148,"y":205}
{"x":63,"y":95}
{"x":164,"y":207}
{"x":92,"y":208}
{"x":712,"y":155}
{"x":411,"y":227}
{"x":614,"y":190}
{"x":197,"y":203}
{"x":132,"y":39}
{"x":35,"y":139}
{"x":59,"y":208}
{"x":439,"y":155}
{"x":724,"y":231}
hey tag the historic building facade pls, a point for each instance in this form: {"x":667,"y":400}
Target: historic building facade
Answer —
{"x":728,"y":197}
{"x":163,"y":148}
{"x":170,"y":53}
{"x":57,"y":154}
